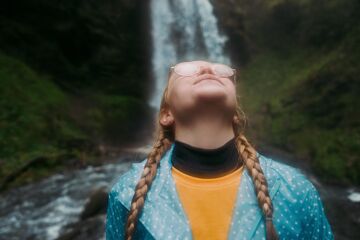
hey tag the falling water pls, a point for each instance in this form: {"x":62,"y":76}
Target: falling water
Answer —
{"x":182,"y":30}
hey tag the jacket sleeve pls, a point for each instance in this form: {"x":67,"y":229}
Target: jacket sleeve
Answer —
{"x":314,"y":221}
{"x":115,"y":218}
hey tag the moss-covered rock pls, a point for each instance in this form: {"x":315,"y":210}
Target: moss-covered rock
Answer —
{"x":73,"y":76}
{"x":38,"y":119}
{"x":32,"y":119}
{"x":299,"y":86}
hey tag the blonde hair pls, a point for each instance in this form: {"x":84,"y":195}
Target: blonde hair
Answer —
{"x":165,"y":136}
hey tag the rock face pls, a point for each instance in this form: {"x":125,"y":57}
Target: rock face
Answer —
{"x":231,"y":20}
{"x":77,"y":76}
{"x":96,"y":204}
{"x":91,"y":224}
{"x":300,"y":65}
{"x":90,"y":229}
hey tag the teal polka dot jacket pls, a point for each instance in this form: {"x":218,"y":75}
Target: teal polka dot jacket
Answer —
{"x":298,"y":210}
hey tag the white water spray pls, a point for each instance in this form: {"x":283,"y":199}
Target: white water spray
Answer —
{"x":182,"y":30}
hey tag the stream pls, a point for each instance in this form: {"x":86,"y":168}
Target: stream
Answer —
{"x":40,"y":210}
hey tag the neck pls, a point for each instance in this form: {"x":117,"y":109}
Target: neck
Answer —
{"x":203,"y":133}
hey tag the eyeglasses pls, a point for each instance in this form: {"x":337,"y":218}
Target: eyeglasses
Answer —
{"x":187,"y":69}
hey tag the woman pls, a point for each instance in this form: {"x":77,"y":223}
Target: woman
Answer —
{"x":204,"y":180}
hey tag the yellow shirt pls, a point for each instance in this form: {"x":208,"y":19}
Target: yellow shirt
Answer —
{"x":208,"y":202}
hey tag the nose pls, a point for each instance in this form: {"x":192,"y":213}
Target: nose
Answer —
{"x":206,"y":69}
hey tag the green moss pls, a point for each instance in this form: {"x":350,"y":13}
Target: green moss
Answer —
{"x":26,"y":98}
{"x":120,"y":115}
{"x":305,"y":100}
{"x":33,"y":119}
{"x":273,"y":74}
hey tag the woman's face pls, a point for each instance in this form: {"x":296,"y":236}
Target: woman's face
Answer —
{"x":204,"y":90}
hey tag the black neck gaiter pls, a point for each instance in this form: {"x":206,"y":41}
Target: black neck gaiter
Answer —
{"x":206,"y":163}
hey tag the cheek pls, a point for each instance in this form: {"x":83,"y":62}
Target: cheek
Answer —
{"x":231,"y":92}
{"x":179,"y":94}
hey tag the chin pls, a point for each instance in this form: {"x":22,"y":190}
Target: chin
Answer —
{"x":211,"y":98}
{"x":210,"y":93}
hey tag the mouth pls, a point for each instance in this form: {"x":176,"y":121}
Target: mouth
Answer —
{"x":206,"y":76}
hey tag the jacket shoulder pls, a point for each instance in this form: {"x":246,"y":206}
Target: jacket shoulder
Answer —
{"x":298,"y":201}
{"x":124,"y":187}
{"x":290,"y":177}
{"x":119,"y":201}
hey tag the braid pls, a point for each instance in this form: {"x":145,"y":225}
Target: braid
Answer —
{"x":252,"y":164}
{"x":251,"y":161}
{"x":142,"y":187}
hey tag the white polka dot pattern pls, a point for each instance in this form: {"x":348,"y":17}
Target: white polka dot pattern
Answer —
{"x":298,"y":210}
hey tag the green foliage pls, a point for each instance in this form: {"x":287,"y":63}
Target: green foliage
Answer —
{"x":38,"y":119}
{"x":121,"y":115}
{"x":95,"y":46}
{"x":74,"y":75}
{"x":283,"y":24}
{"x":26,"y":98}
{"x":32,"y":120}
{"x":300,"y":89}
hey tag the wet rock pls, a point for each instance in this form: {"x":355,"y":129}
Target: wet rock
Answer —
{"x":96,"y":204}
{"x":91,"y":224}
{"x":91,"y":229}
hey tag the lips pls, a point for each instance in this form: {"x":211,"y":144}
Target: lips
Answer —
{"x":207,"y":76}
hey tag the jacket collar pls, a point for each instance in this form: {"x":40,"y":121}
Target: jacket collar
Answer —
{"x":164,"y":197}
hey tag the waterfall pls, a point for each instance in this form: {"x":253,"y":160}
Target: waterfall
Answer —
{"x":182,"y":30}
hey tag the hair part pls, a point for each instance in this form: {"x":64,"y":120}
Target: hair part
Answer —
{"x":165,"y":136}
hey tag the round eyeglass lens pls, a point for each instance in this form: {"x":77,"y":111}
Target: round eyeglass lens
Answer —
{"x":223,"y":70}
{"x":186,"y":69}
